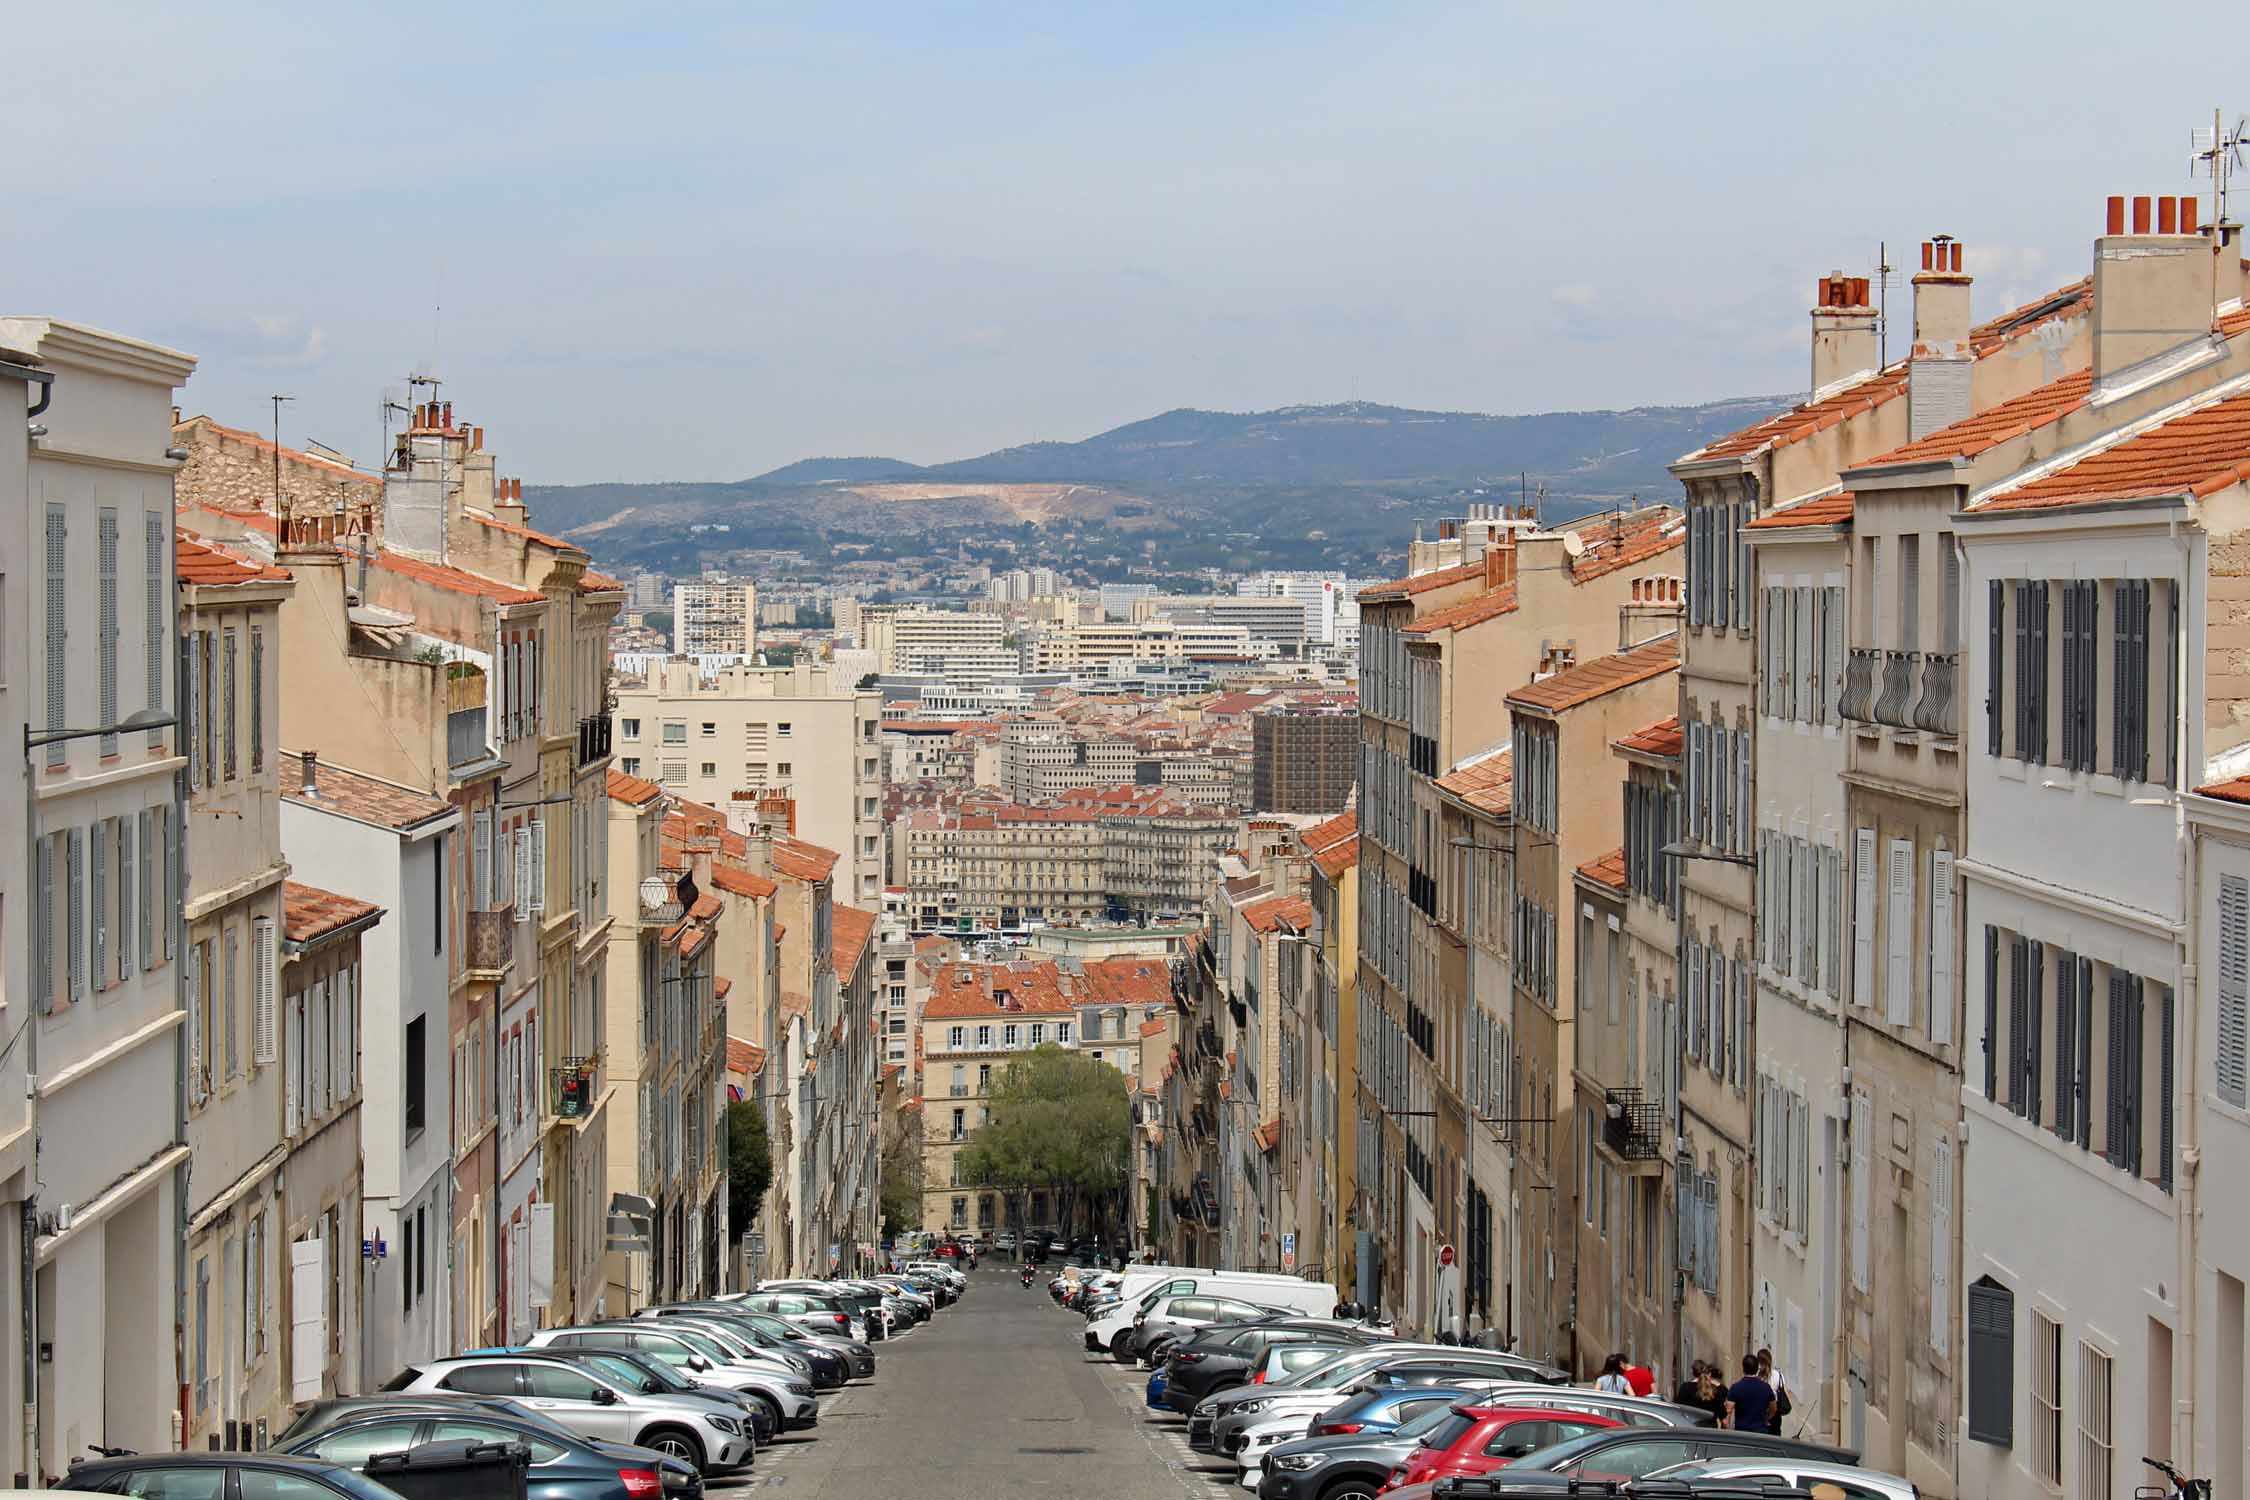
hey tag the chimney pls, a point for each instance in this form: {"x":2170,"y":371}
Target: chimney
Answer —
{"x":1500,"y":560}
{"x":2153,"y":284}
{"x":1844,"y":345}
{"x":310,"y":785}
{"x":1937,"y":372}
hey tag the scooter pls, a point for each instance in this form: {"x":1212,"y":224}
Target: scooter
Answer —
{"x":1030,"y":1273}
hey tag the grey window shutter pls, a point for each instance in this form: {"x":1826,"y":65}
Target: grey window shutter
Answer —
{"x":2035,"y":1003}
{"x":2234,"y":991}
{"x":191,"y":643}
{"x":2083,"y":1045}
{"x":2019,"y":984}
{"x":98,"y":907}
{"x":149,"y":855}
{"x":156,"y":606}
{"x":257,"y":698}
{"x":58,"y":632}
{"x":2164,"y":1039}
{"x":2022,"y":701}
{"x":2039,"y":670}
{"x":2066,"y":1042}
{"x":2125,"y":1071}
{"x":77,"y":924}
{"x":2136,"y":769}
{"x":1995,"y":666}
{"x":1992,"y":1363}
{"x":1722,"y":558}
{"x":167,"y":877}
{"x":2113,"y":1112}
{"x":106,"y":613}
{"x":1992,"y":1013}
{"x":2171,"y":695}
{"x":127,"y":898}
{"x":43,"y":934}
{"x":2070,"y":648}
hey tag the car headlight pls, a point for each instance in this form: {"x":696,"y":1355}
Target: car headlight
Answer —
{"x":726,"y":1425}
{"x":800,"y":1388}
{"x":1296,"y":1463}
{"x":1248,"y":1407}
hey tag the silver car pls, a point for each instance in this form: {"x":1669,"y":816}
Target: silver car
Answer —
{"x":1806,"y":1474}
{"x":591,"y":1403}
{"x":787,"y":1396}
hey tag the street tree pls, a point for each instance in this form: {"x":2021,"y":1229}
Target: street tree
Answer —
{"x":1055,"y":1121}
{"x":749,"y":1164}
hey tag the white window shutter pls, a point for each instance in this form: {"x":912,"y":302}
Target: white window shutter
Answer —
{"x":100,"y":904}
{"x":262,"y":997}
{"x":539,"y":865}
{"x":156,"y":605}
{"x":1941,"y":1244}
{"x":1863,"y":916}
{"x":1898,"y":937}
{"x":308,"y":1320}
{"x":292,"y":1062}
{"x":77,"y":925}
{"x":43,"y":937}
{"x":1863,"y":1127}
{"x":58,"y":629}
{"x":128,"y":900}
{"x":1722,"y":780}
{"x":481,"y":852}
{"x":523,"y":875}
{"x":195,"y":1041}
{"x":165,"y":881}
{"x":1695,"y":775}
{"x":1745,"y":791}
{"x":1941,"y":946}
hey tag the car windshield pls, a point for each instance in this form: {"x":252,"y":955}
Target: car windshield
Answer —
{"x":623,"y":1371}
{"x":1337,"y":1363}
{"x":1422,"y":1423}
{"x":1448,"y":1430}
{"x":701,"y":1343}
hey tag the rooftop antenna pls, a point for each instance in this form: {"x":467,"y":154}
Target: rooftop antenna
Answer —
{"x":2217,"y":154}
{"x":1883,"y":269}
{"x":280,"y":512}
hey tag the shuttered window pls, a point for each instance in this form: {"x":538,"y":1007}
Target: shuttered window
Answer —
{"x":2129,"y":729}
{"x":1722,"y":784}
{"x":2080,"y":608}
{"x":2122,"y":1143}
{"x":1863,"y":1129}
{"x":76,"y":935}
{"x":1744,"y":791}
{"x":1898,"y":936}
{"x":1940,"y":939}
{"x":126,"y":900}
{"x":1992,"y":1363}
{"x":1699,"y":771}
{"x":157,"y":607}
{"x":43,"y":931}
{"x":523,"y":875}
{"x":1941,"y":1245}
{"x":105,"y":645}
{"x":228,"y":699}
{"x":2068,"y":1001}
{"x":539,"y":865}
{"x":2166,"y":1021}
{"x":1992,"y":1013}
{"x":262,"y":997}
{"x":1995,"y":667}
{"x":1863,"y":916}
{"x":191,"y":645}
{"x":199,"y":1085}
{"x":2031,"y":671}
{"x":99,"y":913}
{"x":230,"y":966}
{"x":257,"y":699}
{"x":58,"y":633}
{"x":1722,"y":559}
{"x":151,"y":854}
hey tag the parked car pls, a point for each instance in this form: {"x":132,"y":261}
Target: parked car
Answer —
{"x":594,"y":1403}
{"x":740,"y":1346}
{"x":1633,"y":1452}
{"x":1172,"y":1320}
{"x":1369,"y":1368}
{"x":787,"y":1396}
{"x":1475,"y":1440}
{"x":1233,"y":1354}
{"x":234,"y":1476}
{"x":811,"y":1311}
{"x":831,"y":1365}
{"x":1385,"y":1409}
{"x":1004,"y":1241}
{"x":655,"y":1375}
{"x":1353,"y":1467}
{"x":564,"y":1465}
{"x":1843,"y":1480}
{"x":860,"y":1356}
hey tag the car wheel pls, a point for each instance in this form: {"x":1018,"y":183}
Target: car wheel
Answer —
{"x":676,"y":1442}
{"x":1121,"y":1345}
{"x":769,"y":1406}
{"x":1351,"y":1489}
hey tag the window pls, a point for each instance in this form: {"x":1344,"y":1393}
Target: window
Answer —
{"x":782,"y":729}
{"x":632,"y":765}
{"x":675,"y":732}
{"x":542,"y":1451}
{"x":557,"y":1384}
{"x":482,"y":1380}
{"x":417,"y":1083}
{"x":628,"y":729}
{"x":354,"y":1446}
{"x":955,"y":1037}
{"x":2097,"y":1452}
{"x":106,"y":637}
{"x":2046,"y":1399}
{"x":58,"y":614}
{"x":176,"y":1484}
{"x":229,"y":699}
{"x":710,"y":730}
{"x":710,"y":768}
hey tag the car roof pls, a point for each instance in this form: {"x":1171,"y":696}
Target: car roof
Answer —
{"x":203,"y":1460}
{"x":1810,"y":1468}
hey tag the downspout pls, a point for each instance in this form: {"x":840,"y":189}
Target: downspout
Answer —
{"x":178,"y":919}
{"x":2188,"y":1232}
{"x":28,"y":1215}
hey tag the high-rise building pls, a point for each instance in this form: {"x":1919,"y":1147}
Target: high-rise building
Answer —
{"x":715,"y":617}
{"x":1303,"y":760}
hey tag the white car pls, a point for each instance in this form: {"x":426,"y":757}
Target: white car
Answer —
{"x":1261,"y":1436}
{"x":1821,"y":1481}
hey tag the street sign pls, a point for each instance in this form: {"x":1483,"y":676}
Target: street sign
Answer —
{"x":1289,"y":1252}
{"x":1445,"y":1256}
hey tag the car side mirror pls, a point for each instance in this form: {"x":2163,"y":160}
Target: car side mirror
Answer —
{"x":604,"y":1396}
{"x":698,"y":1362}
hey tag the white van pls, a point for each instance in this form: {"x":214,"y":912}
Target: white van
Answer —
{"x":1112,"y":1330}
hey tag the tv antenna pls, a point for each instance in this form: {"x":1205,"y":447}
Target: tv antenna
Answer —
{"x":279,"y":509}
{"x":2217,"y":154}
{"x":1883,"y":269}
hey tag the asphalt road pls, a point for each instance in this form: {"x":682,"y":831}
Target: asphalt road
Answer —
{"x":994,"y":1397}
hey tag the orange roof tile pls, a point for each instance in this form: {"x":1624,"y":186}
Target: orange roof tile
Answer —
{"x":1267,"y":1136}
{"x":512,"y":529}
{"x":2237,"y":790}
{"x":736,"y":881}
{"x":209,"y":565}
{"x":1154,"y":1026}
{"x":453,"y":580}
{"x":633,"y":789}
{"x":744,"y":1057}
{"x":849,"y":928}
{"x":975,"y":990}
{"x":1337,"y":857}
{"x":1609,"y":870}
{"x":1486,"y":784}
{"x":802,"y":861}
{"x":1278,"y":911}
{"x":1822,"y":510}
{"x":309,"y":913}
{"x":1664,"y":737}
{"x":1601,"y":676}
{"x":366,"y":798}
{"x":1131,"y":980}
{"x":1995,"y":425}
{"x":591,"y":582}
{"x":1489,"y":605}
{"x":1420,"y":583}
{"x":2198,"y":453}
{"x":1624,"y":539}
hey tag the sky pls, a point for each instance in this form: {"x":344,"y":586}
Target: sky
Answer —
{"x":690,"y":242}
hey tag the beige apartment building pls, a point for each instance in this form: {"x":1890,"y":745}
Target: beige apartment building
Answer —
{"x":1329,"y":1247}
{"x":965,"y":648}
{"x":1040,"y":761}
{"x":1090,"y":648}
{"x":792,"y":730}
{"x":978,"y":1019}
{"x":1022,"y":865}
{"x":715,"y":617}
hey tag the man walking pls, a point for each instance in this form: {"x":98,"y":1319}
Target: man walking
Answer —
{"x":1750,"y":1400}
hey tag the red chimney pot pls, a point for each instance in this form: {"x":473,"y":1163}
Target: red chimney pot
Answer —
{"x":2190,"y":223}
{"x":2116,"y":215}
{"x":1928,"y":250}
{"x":1956,"y":255}
{"x":2167,"y":215}
{"x":2140,"y":215}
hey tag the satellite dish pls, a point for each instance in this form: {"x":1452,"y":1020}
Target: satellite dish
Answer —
{"x":1573,"y":544}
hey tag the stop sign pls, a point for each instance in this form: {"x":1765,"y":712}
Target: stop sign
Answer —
{"x":1445,"y":1256}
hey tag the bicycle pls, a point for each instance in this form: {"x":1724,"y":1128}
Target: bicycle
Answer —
{"x":2183,"y":1488}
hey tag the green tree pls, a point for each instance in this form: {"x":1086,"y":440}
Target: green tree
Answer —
{"x":1059,"y":1121}
{"x":749,"y":1164}
{"x":901,"y":1176}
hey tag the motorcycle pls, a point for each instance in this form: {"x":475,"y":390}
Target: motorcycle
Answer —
{"x":2183,"y":1488}
{"x":1030,"y":1273}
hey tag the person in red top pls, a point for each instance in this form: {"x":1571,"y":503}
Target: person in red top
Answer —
{"x":1640,"y":1377}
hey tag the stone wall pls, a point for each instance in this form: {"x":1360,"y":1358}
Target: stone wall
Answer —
{"x":229,"y":469}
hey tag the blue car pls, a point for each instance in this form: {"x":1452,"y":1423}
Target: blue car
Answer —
{"x":1156,"y":1390}
{"x":1385,"y":1409}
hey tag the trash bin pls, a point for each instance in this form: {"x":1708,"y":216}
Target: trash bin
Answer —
{"x":465,"y":1469}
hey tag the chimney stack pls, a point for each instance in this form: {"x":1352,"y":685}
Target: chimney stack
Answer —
{"x":1844,"y":344}
{"x":1938,"y":370}
{"x":1500,"y":560}
{"x":2155,"y":287}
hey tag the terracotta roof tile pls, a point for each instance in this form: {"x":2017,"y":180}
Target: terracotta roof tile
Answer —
{"x":633,"y":789}
{"x":1624,"y":538}
{"x":1420,"y":583}
{"x":1603,"y":675}
{"x":802,"y":861}
{"x":1489,"y":605}
{"x":972,"y":990}
{"x":591,"y":582}
{"x":2197,"y":453}
{"x":1333,"y":845}
{"x":366,"y":798}
{"x":1267,"y":1136}
{"x":206,"y":564}
{"x":1155,"y":1026}
{"x":512,"y":529}
{"x":849,"y":928}
{"x":1821,"y":510}
{"x":1486,"y":784}
{"x":1609,"y":870}
{"x":1130,"y":980}
{"x":1276,"y":912}
{"x":1995,"y":425}
{"x":453,"y":580}
{"x":308,"y":912}
{"x":1664,"y":737}
{"x":736,"y":881}
{"x":746,"y":1058}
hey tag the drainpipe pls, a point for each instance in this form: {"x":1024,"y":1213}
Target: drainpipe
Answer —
{"x":27,"y":1292}
{"x":178,"y":920}
{"x":2188,"y":1232}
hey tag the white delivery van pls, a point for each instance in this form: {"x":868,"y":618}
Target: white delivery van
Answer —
{"x":1310,"y":1299}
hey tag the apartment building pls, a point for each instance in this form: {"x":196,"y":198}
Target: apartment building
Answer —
{"x":229,"y":611}
{"x":795,"y":730}
{"x":1328,"y":1241}
{"x":105,"y":1220}
{"x":1096,"y":648}
{"x":644,"y":900}
{"x":979,"y":1017}
{"x":715,"y":617}
{"x":1040,"y":761}
{"x":965,"y":648}
{"x":1280,"y":620}
{"x":1158,"y":852}
{"x":1303,"y":760}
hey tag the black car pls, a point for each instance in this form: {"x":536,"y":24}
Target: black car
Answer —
{"x":829,"y":1368}
{"x":564,"y":1466}
{"x":682,"y":1480}
{"x":796,"y":1339}
{"x":1229,"y":1354}
{"x":1631,"y":1452}
{"x":1343,"y":1468}
{"x":222,"y":1476}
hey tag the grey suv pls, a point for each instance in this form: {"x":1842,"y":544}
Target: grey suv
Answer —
{"x":590,"y":1403}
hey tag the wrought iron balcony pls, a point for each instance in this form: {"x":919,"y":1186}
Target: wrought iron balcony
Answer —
{"x":1937,"y":709}
{"x":572,"y":1087}
{"x":1899,"y":669}
{"x":1859,"y":684}
{"x":593,"y":738}
{"x":1634,"y":1128}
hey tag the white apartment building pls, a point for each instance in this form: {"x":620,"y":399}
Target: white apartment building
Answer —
{"x":715,"y":617}
{"x":1282,"y":620}
{"x":1321,"y":593}
{"x":1091,"y":648}
{"x":92,"y":645}
{"x":965,"y":649}
{"x":796,"y":731}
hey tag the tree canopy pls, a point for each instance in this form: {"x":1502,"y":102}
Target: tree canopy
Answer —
{"x":749,"y":1164}
{"x":1055,"y":1119}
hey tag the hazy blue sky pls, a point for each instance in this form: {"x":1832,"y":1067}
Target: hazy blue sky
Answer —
{"x":696,"y":241}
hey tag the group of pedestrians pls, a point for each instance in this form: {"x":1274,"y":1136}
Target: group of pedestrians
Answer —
{"x":1754,"y":1403}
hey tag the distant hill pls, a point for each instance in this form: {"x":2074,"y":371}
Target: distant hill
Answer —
{"x":1342,"y":486}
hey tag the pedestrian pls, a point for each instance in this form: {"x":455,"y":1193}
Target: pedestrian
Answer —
{"x":1782,"y":1405}
{"x":1704,"y":1390}
{"x":1750,"y":1400}
{"x":1640,"y":1377}
{"x":1613,"y":1379}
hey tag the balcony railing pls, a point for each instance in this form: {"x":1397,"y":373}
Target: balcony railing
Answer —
{"x":1859,"y":684}
{"x":593,"y":738}
{"x":1634,"y":1128}
{"x":572,"y":1087}
{"x":492,"y":940}
{"x":1899,"y":668}
{"x":1937,"y":708}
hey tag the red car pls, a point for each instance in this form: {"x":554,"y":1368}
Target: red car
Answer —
{"x":1480,"y":1439}
{"x":948,"y":1251}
